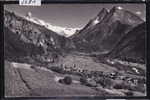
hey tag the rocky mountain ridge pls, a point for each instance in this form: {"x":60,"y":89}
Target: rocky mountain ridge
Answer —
{"x":102,"y":33}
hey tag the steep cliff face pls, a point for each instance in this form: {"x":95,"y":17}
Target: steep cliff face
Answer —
{"x":91,"y":24}
{"x":103,"y":32}
{"x":23,"y":36}
{"x":132,"y":47}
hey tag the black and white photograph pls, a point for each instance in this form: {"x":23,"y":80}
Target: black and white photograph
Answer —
{"x":75,"y":50}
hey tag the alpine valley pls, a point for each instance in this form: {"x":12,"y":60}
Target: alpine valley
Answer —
{"x":107,"y":57}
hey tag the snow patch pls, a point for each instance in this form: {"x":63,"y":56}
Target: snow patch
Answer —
{"x":138,"y":13}
{"x":96,"y":21}
{"x":119,"y":7}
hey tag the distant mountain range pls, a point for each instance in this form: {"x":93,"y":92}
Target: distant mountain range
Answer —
{"x":117,"y":33}
{"x":64,"y":31}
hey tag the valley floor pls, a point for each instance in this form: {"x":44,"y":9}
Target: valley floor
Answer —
{"x":26,"y":79}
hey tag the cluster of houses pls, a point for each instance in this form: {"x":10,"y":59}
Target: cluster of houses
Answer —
{"x":98,"y":75}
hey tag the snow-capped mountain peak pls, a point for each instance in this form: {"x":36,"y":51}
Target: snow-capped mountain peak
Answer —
{"x":64,"y":31}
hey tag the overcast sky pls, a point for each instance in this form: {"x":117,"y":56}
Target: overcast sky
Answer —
{"x":72,"y":15}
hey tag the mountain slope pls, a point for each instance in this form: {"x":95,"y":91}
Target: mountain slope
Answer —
{"x":14,"y":47}
{"x":104,"y":34}
{"x":91,"y":24}
{"x":21,"y":34}
{"x":131,"y":46}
